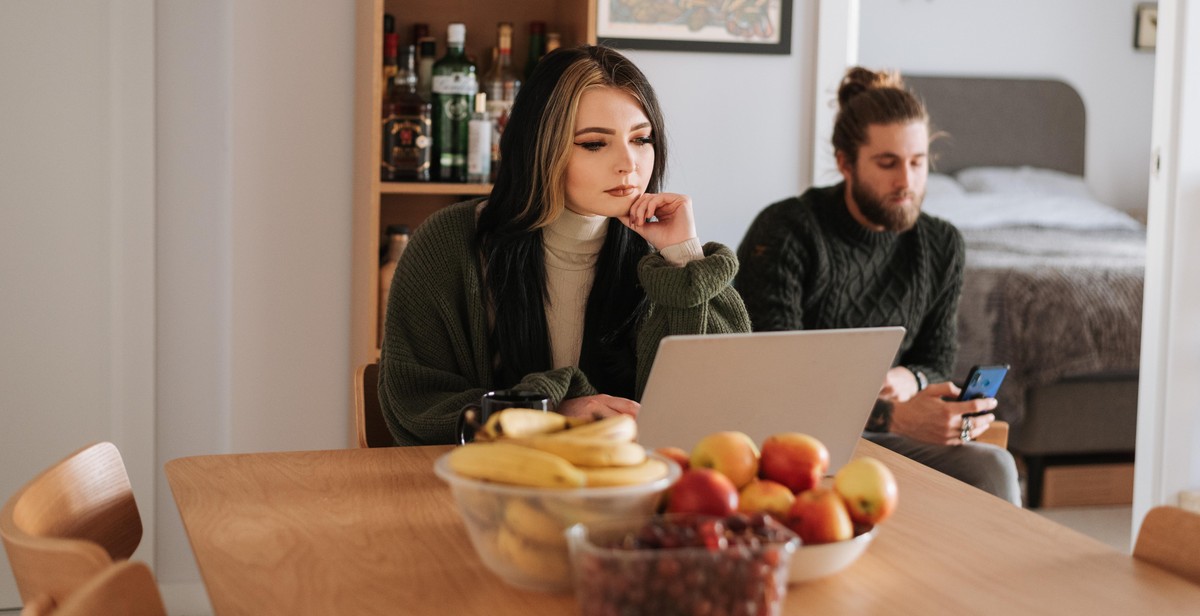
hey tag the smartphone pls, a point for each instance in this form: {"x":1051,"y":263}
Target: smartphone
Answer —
{"x":983,"y":382}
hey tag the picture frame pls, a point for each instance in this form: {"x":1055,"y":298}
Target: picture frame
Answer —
{"x":1145,"y":30}
{"x":746,"y":26}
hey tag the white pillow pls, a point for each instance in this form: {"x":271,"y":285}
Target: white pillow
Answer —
{"x":942,"y":185}
{"x":1023,"y":181}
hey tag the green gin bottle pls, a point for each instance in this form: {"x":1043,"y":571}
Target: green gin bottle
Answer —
{"x":454,"y":89}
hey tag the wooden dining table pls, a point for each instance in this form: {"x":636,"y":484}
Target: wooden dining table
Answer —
{"x":374,"y":531}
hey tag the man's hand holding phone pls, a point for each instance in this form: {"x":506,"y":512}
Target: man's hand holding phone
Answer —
{"x":936,"y":415}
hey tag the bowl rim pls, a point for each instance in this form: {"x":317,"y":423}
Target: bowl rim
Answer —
{"x":866,"y":537}
{"x":441,"y":467}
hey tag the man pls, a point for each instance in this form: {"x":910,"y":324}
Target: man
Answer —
{"x":861,"y":254}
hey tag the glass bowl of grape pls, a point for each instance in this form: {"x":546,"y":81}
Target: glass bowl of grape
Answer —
{"x":682,"y":564}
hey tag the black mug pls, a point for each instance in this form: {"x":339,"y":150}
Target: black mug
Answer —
{"x":475,"y":414}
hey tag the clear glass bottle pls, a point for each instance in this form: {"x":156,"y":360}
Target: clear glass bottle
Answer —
{"x":426,"y":56}
{"x":454,"y":89}
{"x":501,"y":85}
{"x":479,"y":147}
{"x":407,"y":127}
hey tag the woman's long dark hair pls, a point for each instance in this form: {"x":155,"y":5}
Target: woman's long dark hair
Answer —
{"x":529,"y":193}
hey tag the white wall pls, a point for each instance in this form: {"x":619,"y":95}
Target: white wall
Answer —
{"x":739,"y":126}
{"x":1168,"y":436}
{"x":255,"y":138}
{"x":76,"y":240}
{"x":1086,"y":43}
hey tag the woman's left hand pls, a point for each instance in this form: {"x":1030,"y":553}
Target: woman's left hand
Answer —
{"x":674,"y":221}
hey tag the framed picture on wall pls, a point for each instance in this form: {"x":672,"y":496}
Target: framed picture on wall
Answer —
{"x":1145,"y":32}
{"x":734,"y":26}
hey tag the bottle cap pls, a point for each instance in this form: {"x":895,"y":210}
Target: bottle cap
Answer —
{"x":537,"y":27}
{"x":456,"y":34}
{"x":389,"y":23}
{"x":428,"y":47}
{"x":481,"y":102}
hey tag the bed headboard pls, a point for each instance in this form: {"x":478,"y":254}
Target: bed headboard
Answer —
{"x":1003,"y":122}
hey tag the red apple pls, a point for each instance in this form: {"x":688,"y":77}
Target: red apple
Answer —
{"x":819,"y":516}
{"x":796,"y":460}
{"x":766,"y":496}
{"x":869,"y":489}
{"x":733,"y":454}
{"x":702,"y":490}
{"x":675,"y":453}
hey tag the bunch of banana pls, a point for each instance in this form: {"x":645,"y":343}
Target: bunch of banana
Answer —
{"x":538,"y":449}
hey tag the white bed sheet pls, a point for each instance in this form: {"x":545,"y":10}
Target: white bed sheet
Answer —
{"x":995,"y":210}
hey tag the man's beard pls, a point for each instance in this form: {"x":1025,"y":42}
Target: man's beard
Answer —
{"x":898,"y":218}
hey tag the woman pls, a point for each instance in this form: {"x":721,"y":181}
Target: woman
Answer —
{"x":553,"y":283}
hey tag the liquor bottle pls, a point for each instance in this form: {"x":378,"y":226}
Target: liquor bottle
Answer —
{"x":407,"y":127}
{"x":537,"y":46}
{"x":454,"y":88}
{"x":390,"y":46}
{"x":479,"y":142}
{"x":419,"y":31}
{"x":553,"y":41}
{"x":426,"y":56}
{"x":397,"y":241}
{"x":501,"y":84}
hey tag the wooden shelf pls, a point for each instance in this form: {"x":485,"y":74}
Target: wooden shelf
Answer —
{"x":433,"y":188}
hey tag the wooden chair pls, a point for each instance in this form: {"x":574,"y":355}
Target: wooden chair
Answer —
{"x":1170,"y":539}
{"x":126,"y":588}
{"x":70,"y":523}
{"x":368,"y":415}
{"x":996,"y":434}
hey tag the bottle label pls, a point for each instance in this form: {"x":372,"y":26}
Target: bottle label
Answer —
{"x":406,"y":147}
{"x":455,"y":84}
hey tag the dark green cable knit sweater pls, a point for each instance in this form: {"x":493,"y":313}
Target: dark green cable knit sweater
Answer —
{"x":436,"y":352}
{"x":807,"y":264}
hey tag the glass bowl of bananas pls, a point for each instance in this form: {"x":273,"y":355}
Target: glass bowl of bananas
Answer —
{"x":527,"y":479}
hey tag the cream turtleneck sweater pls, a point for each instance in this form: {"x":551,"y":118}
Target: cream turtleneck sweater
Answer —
{"x":572,"y":244}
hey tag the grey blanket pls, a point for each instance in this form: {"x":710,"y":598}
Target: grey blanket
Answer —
{"x":1053,"y":303}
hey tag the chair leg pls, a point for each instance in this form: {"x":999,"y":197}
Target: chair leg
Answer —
{"x":1035,"y":473}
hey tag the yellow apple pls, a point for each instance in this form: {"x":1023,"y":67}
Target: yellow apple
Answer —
{"x":766,"y":496}
{"x":732,"y":454}
{"x":869,"y":489}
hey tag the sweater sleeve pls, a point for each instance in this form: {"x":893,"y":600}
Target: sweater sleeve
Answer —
{"x":771,"y":276}
{"x":697,"y":298}
{"x":936,"y":343}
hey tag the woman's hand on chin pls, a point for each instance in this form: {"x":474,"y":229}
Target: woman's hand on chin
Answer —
{"x":673,"y":220}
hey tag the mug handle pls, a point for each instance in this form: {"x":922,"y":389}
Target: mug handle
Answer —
{"x":468,"y":422}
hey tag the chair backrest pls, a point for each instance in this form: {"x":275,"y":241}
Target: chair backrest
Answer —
{"x":996,"y":434}
{"x":126,"y":588}
{"x":1170,"y":538}
{"x":368,"y":418}
{"x":70,"y":522}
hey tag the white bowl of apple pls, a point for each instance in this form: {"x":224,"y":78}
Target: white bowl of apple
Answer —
{"x":835,"y":519}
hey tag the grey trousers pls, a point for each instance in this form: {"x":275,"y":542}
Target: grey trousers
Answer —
{"x":984,"y":466}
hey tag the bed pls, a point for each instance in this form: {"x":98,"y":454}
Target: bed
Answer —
{"x":1053,"y":279}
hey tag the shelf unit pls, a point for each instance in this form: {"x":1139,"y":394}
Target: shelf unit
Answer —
{"x":378,"y":204}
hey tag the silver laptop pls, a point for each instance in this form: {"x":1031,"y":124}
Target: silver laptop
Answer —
{"x":819,"y":382}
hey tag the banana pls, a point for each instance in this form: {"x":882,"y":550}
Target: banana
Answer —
{"x":615,"y":428}
{"x":652,"y":469}
{"x":514,"y":464}
{"x":516,"y":423}
{"x":533,"y":524}
{"x":587,"y":451}
{"x":541,"y":565}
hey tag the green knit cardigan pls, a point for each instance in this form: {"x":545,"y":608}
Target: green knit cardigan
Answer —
{"x":436,"y":351}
